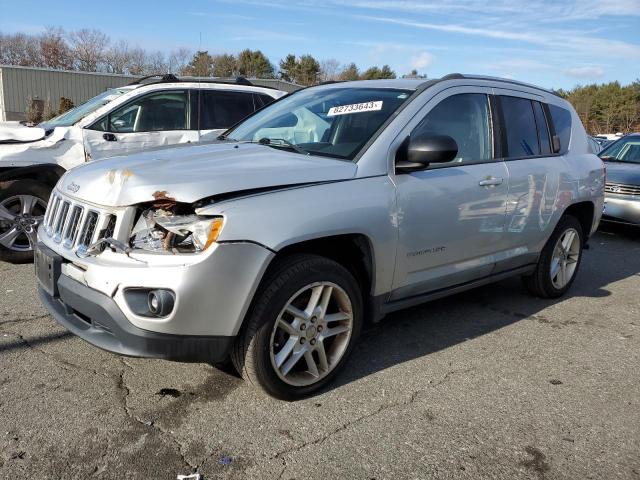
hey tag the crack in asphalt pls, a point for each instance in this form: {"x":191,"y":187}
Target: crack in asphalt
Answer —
{"x":121,"y":386}
{"x":125,"y":392}
{"x":411,"y":399}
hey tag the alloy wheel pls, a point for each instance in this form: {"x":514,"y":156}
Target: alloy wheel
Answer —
{"x":564,"y":260}
{"x":311,"y":334}
{"x":20,"y":216}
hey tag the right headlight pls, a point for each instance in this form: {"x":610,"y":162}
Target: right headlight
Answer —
{"x":160,"y":231}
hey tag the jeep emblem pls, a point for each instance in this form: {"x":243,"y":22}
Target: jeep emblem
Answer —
{"x":74,"y":187}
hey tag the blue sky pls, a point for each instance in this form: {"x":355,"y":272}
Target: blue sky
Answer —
{"x":551,"y":43}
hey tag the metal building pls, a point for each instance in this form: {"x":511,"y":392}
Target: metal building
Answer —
{"x":19,"y":84}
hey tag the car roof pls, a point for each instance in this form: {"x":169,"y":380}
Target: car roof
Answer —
{"x":421,"y":83}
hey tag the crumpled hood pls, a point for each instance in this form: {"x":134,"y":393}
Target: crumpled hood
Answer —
{"x":191,"y":173}
{"x":15,"y":132}
{"x":623,"y":173}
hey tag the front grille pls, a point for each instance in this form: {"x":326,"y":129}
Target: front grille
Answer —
{"x":75,"y":225}
{"x":621,"y":189}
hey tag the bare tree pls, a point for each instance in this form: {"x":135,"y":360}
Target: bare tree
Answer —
{"x":20,"y":49}
{"x":118,"y":57}
{"x":137,"y":61}
{"x":156,"y":63}
{"x":89,"y":47}
{"x":178,"y":59}
{"x":54,"y":50}
{"x":329,"y":70}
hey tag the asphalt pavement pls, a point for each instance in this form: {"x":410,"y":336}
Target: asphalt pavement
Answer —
{"x":490,"y":383}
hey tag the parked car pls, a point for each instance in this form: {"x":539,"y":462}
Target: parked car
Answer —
{"x":596,"y":146}
{"x":336,"y":204}
{"x":120,"y":121}
{"x":622,"y":190}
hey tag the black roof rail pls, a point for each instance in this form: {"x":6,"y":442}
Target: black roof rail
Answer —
{"x":244,"y":81}
{"x":166,"y":77}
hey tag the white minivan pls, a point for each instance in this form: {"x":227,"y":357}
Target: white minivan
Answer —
{"x":120,"y":121}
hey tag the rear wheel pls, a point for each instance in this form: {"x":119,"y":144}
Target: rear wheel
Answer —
{"x":302,"y":327}
{"x":22,"y":207}
{"x":559,"y":261}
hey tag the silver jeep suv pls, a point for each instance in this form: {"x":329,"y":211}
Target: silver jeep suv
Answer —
{"x":332,"y":206}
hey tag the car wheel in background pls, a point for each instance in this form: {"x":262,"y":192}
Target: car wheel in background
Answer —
{"x":22,"y":207}
{"x":301,"y":328}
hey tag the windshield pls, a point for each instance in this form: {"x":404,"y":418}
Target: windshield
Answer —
{"x":624,"y":150}
{"x":333,"y":122}
{"x":78,"y":113}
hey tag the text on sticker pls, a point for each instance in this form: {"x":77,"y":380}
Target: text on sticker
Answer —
{"x":355,"y":108}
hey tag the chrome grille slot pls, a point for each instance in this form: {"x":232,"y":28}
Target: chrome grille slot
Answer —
{"x":52,"y":214}
{"x":622,"y":189}
{"x":76,"y":225}
{"x":60,"y":221}
{"x":109,"y":222}
{"x":89,"y":228}
{"x":71,"y":232}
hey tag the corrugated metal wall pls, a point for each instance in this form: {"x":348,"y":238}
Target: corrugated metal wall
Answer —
{"x":17,"y":84}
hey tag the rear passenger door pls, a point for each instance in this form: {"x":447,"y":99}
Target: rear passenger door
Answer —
{"x":220,"y":109}
{"x":535,"y":173}
{"x":451,"y":215}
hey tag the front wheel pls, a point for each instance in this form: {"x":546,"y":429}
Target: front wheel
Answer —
{"x":22,"y":207}
{"x":302,"y":326}
{"x":559,"y":261}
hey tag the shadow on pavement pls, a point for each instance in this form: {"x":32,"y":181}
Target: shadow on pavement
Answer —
{"x":33,"y":341}
{"x":405,"y":335}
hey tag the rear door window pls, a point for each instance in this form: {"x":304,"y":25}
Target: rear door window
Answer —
{"x":222,"y":109}
{"x":520,"y":126}
{"x":543,"y":129}
{"x":262,"y":100}
{"x":562,"y":124}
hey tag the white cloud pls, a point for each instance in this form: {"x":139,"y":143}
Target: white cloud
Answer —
{"x":584,"y":72}
{"x":421,"y":61}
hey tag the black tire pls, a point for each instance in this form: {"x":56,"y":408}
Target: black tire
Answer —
{"x":22,"y":187}
{"x":251,"y":352}
{"x":539,"y":283}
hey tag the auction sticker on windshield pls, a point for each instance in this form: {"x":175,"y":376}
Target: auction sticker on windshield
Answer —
{"x":355,"y":108}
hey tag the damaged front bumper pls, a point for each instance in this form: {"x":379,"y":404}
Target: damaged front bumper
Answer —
{"x":91,"y":298}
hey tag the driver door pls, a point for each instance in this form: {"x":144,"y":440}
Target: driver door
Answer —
{"x":451,"y":215}
{"x":150,"y":121}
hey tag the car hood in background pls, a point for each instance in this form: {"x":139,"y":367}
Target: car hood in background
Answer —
{"x":624,"y":173}
{"x":13,"y":132}
{"x":188,"y":174}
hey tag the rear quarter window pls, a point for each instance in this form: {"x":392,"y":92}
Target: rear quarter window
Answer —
{"x":562,"y":124}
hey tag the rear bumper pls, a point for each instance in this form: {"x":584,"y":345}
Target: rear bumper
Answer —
{"x":622,"y":209}
{"x":96,"y":318}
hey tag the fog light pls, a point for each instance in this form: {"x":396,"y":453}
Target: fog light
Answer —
{"x":160,"y":302}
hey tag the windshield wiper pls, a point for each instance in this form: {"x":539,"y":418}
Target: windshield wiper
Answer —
{"x":278,"y":142}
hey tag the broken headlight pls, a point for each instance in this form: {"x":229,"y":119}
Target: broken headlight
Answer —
{"x":163,"y":231}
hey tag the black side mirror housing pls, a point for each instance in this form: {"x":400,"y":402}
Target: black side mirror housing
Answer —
{"x":418,"y":152}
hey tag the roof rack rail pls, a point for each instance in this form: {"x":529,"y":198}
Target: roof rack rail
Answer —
{"x":244,"y":81}
{"x":459,"y":76}
{"x":166,"y":77}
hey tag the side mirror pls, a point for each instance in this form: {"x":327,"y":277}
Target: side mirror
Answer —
{"x":416,"y":153}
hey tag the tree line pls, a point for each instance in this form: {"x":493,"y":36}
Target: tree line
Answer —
{"x":607,"y":108}
{"x":91,"y":50}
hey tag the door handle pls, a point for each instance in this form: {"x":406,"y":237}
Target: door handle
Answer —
{"x":110,"y":137}
{"x":490,"y":182}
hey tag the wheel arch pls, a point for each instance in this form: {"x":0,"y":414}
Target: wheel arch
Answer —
{"x":49,"y":174}
{"x":584,"y":212}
